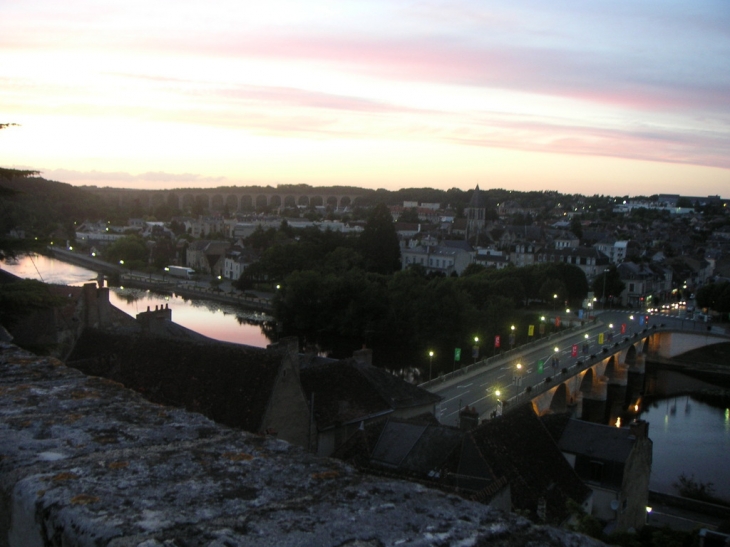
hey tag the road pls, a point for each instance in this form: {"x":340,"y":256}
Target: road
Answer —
{"x":482,"y":388}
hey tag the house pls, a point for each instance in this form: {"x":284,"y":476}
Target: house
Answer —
{"x":236,"y":261}
{"x":445,"y":259}
{"x":523,"y":254}
{"x":490,"y":258}
{"x":643,"y":283}
{"x":617,"y":251}
{"x":421,"y":449}
{"x":349,"y":393}
{"x":615,"y":462}
{"x":510,"y":463}
{"x":476,"y":215}
{"x":518,"y":446}
{"x":207,"y":257}
{"x":588,"y":259}
{"x":566,"y":240}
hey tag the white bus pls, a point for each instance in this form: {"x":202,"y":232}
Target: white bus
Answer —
{"x":180,"y":271}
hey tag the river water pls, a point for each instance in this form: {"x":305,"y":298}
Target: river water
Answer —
{"x":219,"y":321}
{"x":690,"y":437}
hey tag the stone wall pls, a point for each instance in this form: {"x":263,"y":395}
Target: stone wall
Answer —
{"x":84,"y":461}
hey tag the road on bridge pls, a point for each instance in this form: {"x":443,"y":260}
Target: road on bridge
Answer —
{"x":482,"y":387}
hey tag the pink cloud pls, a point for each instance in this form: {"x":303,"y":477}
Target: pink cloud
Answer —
{"x":567,"y":73}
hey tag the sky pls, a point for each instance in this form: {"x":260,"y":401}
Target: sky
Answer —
{"x":619,"y":97}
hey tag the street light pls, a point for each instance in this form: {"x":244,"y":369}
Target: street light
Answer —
{"x":605,"y":272}
{"x":430,"y":364}
{"x":518,"y":376}
{"x":475,"y":352}
{"x":512,"y":337}
{"x":497,"y":394}
{"x":555,"y":301}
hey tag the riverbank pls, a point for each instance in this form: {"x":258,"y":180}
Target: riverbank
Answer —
{"x":225,"y":293}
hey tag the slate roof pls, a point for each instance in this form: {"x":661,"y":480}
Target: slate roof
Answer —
{"x":519,"y":447}
{"x":348,"y":391}
{"x":477,"y":200}
{"x":597,"y":441}
{"x":229,"y":383}
{"x":415,"y":448}
{"x":458,"y":244}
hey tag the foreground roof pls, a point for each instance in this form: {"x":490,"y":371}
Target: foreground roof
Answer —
{"x":89,"y":463}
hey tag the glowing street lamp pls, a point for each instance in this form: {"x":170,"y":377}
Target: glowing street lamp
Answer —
{"x":430,"y":364}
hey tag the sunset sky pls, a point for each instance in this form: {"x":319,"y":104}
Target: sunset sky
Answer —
{"x":593,"y":97}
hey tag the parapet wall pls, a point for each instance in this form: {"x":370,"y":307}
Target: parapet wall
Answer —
{"x":84,"y":461}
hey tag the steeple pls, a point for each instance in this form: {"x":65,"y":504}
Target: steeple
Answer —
{"x":475,"y":215}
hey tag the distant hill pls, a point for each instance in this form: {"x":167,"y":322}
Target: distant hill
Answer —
{"x":40,"y":206}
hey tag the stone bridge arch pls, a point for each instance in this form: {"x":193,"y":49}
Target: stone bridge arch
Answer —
{"x":587,"y":381}
{"x":611,"y":367}
{"x":560,"y":399}
{"x":290,"y":202}
{"x":188,"y":200}
{"x":203,"y":201}
{"x":630,"y":357}
{"x":303,"y":201}
{"x":247,"y":202}
{"x":262,"y":201}
{"x":156,"y":200}
{"x":216,"y":202}
{"x":173,"y":200}
{"x":232,"y":203}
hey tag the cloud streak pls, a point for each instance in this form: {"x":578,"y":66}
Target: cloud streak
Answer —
{"x":639,"y":81}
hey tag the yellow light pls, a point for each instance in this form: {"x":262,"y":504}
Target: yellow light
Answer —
{"x":618,"y":421}
{"x":519,"y":366}
{"x":636,"y":407}
{"x":498,"y":393}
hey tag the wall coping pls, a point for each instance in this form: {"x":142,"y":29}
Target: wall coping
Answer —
{"x":84,"y":461}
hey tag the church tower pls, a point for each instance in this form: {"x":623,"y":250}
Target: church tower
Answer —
{"x":476,"y":213}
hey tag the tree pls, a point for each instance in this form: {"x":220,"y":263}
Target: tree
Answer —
{"x":715,"y":296}
{"x":131,"y":249}
{"x":379,"y":242}
{"x":576,"y":227}
{"x":409,"y":215}
{"x":613,"y":284}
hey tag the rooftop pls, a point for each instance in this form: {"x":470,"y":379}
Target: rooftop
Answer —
{"x":87,"y":462}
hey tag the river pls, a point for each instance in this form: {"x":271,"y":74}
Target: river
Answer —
{"x":689,"y":437}
{"x":219,"y":321}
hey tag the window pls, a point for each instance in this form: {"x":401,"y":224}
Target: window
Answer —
{"x":595,"y":471}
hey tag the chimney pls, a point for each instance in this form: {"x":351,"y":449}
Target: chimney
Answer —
{"x":363,"y":356}
{"x":468,"y":418}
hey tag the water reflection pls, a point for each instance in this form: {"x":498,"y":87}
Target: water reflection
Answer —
{"x":691,"y":438}
{"x":219,"y":321}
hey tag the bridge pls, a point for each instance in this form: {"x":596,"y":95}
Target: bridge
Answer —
{"x":234,"y":198}
{"x":574,"y":369}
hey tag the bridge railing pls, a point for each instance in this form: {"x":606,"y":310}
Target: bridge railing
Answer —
{"x":495,"y":360}
{"x":549,"y":382}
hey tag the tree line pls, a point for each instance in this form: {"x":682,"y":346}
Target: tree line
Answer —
{"x":341,"y":291}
